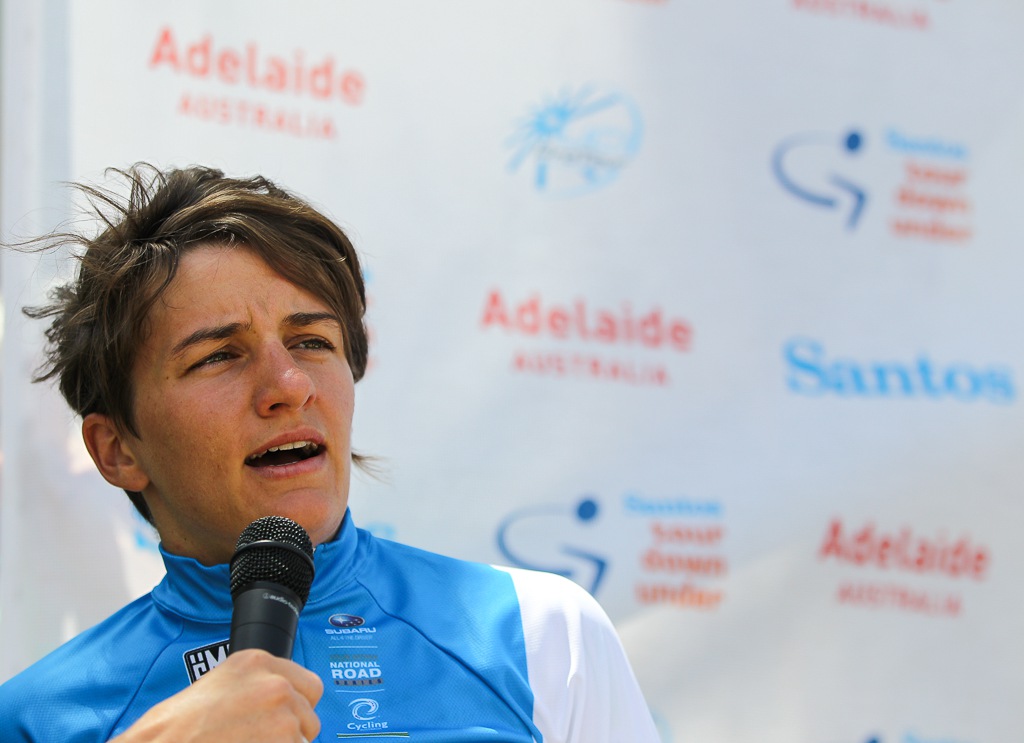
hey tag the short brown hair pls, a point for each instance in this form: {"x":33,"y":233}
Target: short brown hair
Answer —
{"x":99,"y":318}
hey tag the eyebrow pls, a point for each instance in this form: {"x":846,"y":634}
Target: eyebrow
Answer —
{"x":220,"y":332}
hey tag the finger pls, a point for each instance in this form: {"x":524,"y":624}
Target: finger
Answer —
{"x":309,"y":723}
{"x":305,"y":682}
{"x":305,"y":687}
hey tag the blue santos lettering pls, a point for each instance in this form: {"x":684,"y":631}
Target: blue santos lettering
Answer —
{"x":638,"y":503}
{"x":804,"y":360}
{"x":912,"y":738}
{"x":927,"y":146}
{"x":811,"y":372}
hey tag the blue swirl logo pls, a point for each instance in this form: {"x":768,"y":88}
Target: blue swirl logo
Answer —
{"x":364,"y":709}
{"x":577,"y":141}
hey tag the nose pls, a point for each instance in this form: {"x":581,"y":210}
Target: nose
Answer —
{"x":281,"y":383}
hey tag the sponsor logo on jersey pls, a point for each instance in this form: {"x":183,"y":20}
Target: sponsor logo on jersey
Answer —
{"x":366,"y":722}
{"x":364,"y":709}
{"x":348,"y":624}
{"x":352,"y":631}
{"x":364,"y":674}
{"x":201,"y":661}
{"x":346,"y":620}
{"x":354,"y":669}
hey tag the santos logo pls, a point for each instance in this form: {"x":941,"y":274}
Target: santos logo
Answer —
{"x":810,"y":371}
{"x":930,"y":198}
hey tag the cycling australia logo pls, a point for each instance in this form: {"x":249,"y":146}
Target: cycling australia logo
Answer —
{"x":576,"y":142}
{"x":554,"y":538}
{"x":364,"y":709}
{"x":916,"y":184}
{"x":366,"y":722}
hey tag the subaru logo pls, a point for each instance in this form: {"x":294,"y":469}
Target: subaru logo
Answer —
{"x":346,"y":620}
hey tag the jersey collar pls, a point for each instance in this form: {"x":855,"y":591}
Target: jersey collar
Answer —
{"x":201,"y":592}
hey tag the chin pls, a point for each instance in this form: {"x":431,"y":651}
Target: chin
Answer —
{"x":320,"y":523}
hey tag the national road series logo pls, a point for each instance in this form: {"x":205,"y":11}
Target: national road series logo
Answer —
{"x":577,"y":141}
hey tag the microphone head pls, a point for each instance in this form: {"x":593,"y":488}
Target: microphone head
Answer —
{"x":273,"y":549}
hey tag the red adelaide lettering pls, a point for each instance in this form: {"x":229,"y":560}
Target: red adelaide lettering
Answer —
{"x":905,"y":551}
{"x":535,"y":317}
{"x":250,"y":67}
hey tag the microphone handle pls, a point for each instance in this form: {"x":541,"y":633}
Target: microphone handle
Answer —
{"x":265,"y":616}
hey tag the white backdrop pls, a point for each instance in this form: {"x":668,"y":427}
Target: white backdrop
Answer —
{"x":712,"y":307}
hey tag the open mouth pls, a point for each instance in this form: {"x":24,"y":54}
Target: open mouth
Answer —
{"x":276,"y":456}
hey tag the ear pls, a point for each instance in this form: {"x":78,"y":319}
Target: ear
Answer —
{"x":111,"y":451}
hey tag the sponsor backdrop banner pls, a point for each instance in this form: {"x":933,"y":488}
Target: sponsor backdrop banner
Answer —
{"x":713,"y":308}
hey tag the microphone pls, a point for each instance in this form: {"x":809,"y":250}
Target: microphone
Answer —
{"x":271,"y":573}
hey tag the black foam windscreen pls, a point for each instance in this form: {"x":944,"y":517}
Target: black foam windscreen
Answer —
{"x":273,"y":549}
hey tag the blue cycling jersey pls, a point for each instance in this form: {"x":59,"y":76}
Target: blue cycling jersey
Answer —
{"x":410,"y":645}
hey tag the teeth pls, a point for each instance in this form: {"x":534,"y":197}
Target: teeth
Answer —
{"x":293,"y":445}
{"x":309,"y":446}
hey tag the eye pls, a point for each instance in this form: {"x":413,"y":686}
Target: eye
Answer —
{"x":214,"y":358}
{"x":315,"y":344}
